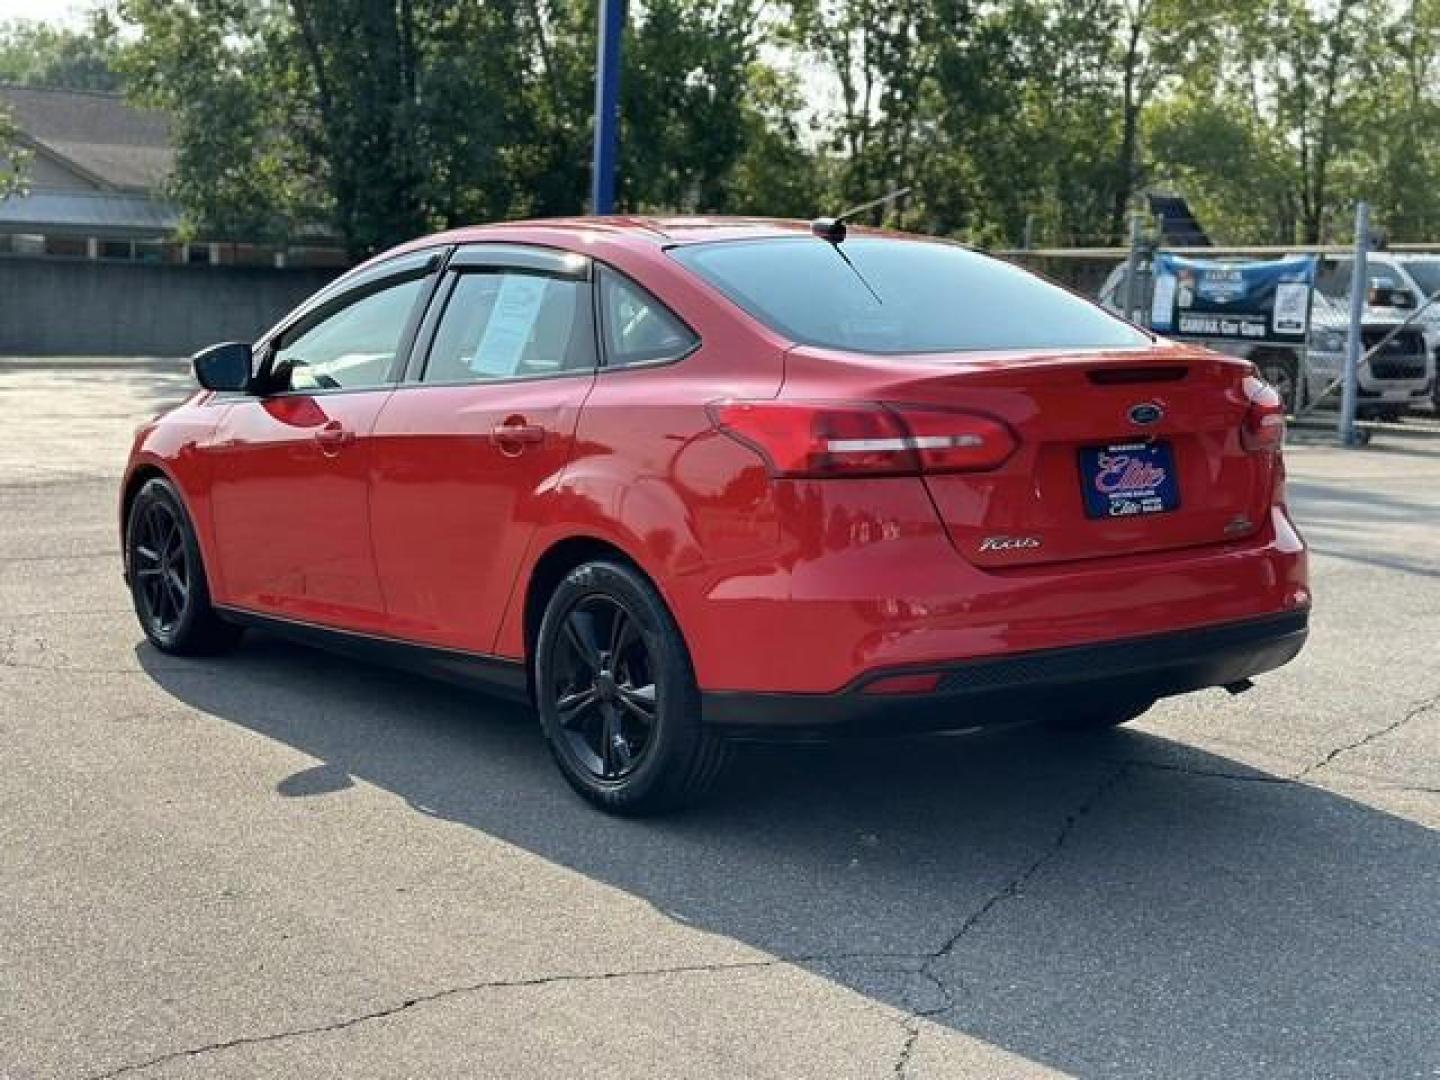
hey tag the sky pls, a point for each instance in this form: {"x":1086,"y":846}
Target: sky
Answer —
{"x":63,"y":11}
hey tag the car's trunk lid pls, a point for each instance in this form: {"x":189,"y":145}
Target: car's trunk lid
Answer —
{"x":1152,"y":435}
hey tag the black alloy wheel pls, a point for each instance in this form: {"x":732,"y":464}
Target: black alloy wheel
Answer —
{"x":604,"y":688}
{"x":161,"y":568}
{"x":617,"y":696}
{"x":167,"y":577}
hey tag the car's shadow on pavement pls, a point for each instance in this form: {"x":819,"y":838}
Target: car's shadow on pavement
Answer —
{"x":1119,"y":905}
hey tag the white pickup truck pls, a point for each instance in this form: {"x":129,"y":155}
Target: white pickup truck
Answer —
{"x":1401,"y":375}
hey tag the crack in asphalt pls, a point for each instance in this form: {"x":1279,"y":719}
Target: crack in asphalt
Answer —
{"x":425,"y":999}
{"x":511,"y":984}
{"x":911,"y":1026}
{"x":1211,"y":774}
{"x":912,"y":1036}
{"x":1012,"y":889}
{"x":1274,"y":781}
{"x":910,"y":1023}
{"x":1418,"y":710}
{"x":58,"y":479}
{"x":1415,"y":712}
{"x":1016,"y":885}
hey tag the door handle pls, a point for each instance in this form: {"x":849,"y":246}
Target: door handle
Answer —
{"x":332,"y":437}
{"x":516,"y":433}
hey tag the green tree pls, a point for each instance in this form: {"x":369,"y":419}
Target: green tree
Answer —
{"x":1316,"y":65}
{"x":389,"y":118}
{"x":1400,"y":129}
{"x":57,"y":57}
{"x":381,"y":119}
{"x":1235,"y":173}
{"x":998,"y":114}
{"x":1026,"y":112}
{"x":684,"y":108}
{"x":221,"y":71}
{"x":776,"y":174}
{"x":1276,"y":133}
{"x":880,"y":55}
{"x":361,"y":98}
{"x":12,"y":158}
{"x":1155,"y":40}
{"x":372,"y":119}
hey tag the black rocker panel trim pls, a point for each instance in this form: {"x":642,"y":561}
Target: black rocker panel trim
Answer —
{"x":499,"y":675}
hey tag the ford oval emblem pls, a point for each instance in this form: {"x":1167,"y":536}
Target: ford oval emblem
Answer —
{"x":1147,"y":412}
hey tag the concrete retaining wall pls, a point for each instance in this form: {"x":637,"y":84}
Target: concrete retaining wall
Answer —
{"x":51,"y":307}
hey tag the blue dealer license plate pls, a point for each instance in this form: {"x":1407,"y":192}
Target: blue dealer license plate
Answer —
{"x":1128,"y":479}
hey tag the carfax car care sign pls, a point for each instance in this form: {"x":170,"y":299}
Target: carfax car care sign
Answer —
{"x":1248,"y":301}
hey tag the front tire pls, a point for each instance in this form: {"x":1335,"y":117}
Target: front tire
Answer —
{"x":167,"y":576}
{"x":617,"y":696}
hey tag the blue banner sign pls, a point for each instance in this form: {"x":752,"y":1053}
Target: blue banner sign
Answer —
{"x":1245,"y":301}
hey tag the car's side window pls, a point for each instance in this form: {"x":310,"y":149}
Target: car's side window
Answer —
{"x":638,"y":328}
{"x":352,"y":347}
{"x":510,"y":324}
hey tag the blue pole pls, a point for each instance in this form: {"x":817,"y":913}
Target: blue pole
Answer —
{"x":607,"y":106}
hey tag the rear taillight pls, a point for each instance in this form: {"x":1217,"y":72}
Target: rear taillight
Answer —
{"x":949,"y":441}
{"x":1264,"y":427}
{"x":821,"y":438}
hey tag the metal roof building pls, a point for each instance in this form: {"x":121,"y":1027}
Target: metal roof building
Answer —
{"x":97,"y":165}
{"x":94,"y":188}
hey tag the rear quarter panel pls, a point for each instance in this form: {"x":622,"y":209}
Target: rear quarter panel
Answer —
{"x":649,"y":475}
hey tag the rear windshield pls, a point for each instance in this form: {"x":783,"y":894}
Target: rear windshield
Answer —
{"x":900,"y":296}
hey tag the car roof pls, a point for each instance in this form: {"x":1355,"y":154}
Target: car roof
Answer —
{"x":666,"y":230}
{"x":634,"y":232}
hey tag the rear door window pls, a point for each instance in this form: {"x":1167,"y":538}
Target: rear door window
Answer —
{"x":511,"y":325}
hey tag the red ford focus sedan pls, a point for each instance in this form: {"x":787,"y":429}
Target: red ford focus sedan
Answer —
{"x":679,"y":481}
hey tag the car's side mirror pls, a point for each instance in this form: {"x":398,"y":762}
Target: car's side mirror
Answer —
{"x":224,"y":367}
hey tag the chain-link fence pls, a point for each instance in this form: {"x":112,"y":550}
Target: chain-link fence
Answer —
{"x":1398,"y":316}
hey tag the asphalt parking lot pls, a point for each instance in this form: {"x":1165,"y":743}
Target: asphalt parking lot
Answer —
{"x":280,"y":863}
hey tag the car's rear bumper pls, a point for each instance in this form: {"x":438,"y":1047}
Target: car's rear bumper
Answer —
{"x":1016,"y":687}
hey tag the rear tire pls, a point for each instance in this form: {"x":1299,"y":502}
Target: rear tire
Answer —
{"x":167,"y":576}
{"x":618,"y":701}
{"x":1099,"y":716}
